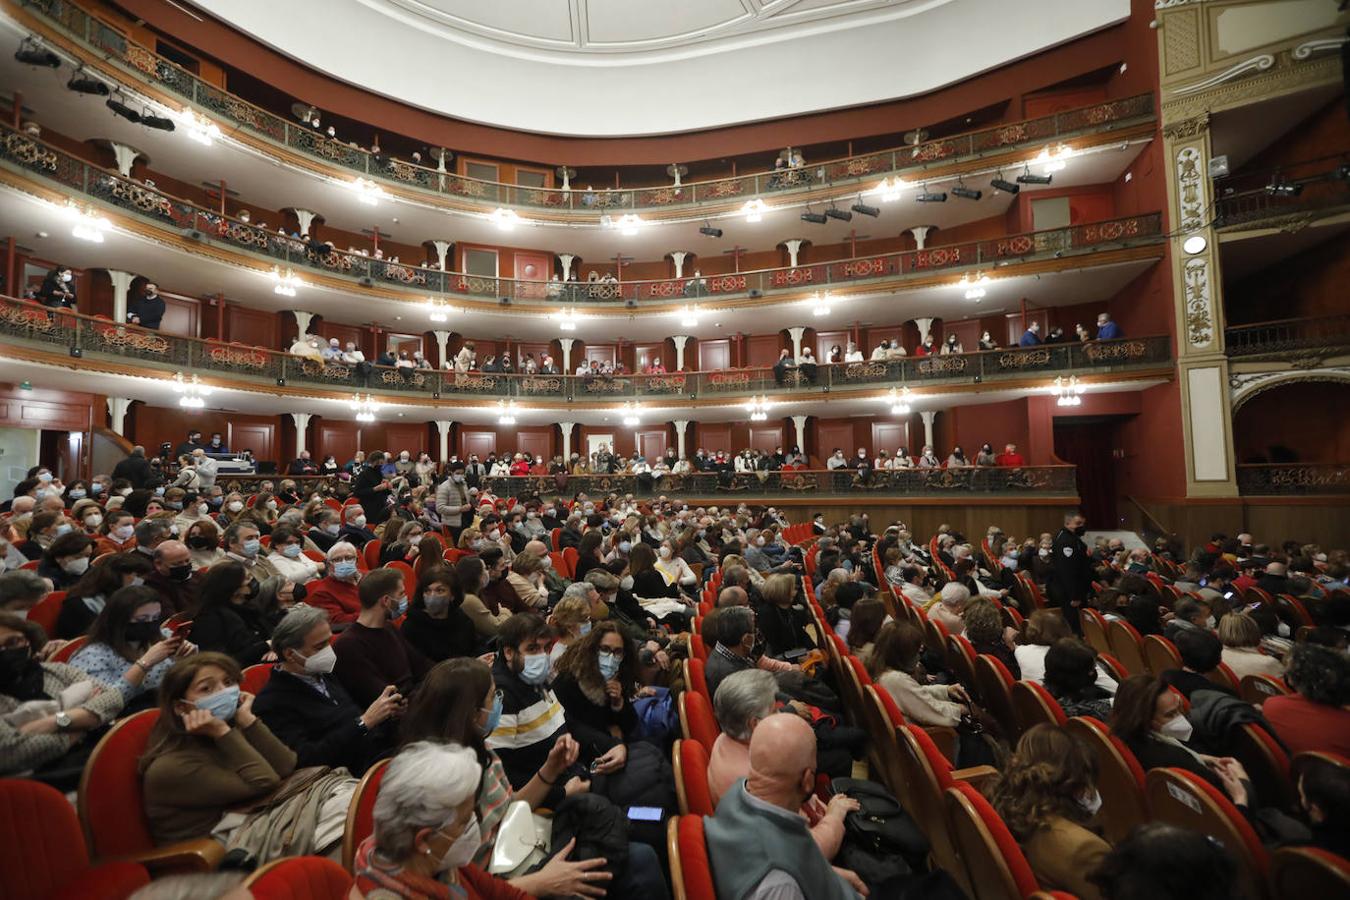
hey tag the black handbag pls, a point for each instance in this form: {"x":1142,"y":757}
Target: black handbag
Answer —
{"x":881,"y":841}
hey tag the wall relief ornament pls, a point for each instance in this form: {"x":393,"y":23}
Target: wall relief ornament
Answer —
{"x":1190,"y":189}
{"x":1186,"y":128}
{"x":1243,"y":386}
{"x":1199,"y":306}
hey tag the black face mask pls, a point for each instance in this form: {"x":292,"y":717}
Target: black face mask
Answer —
{"x":14,"y":661}
{"x":1080,"y":530}
{"x":181,"y":572}
{"x":198,"y":542}
{"x":142,"y":632}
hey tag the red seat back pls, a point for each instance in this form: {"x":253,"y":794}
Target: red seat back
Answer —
{"x":371,"y":553}
{"x":1094,"y":629}
{"x":697,"y":679}
{"x":1160,"y":654}
{"x":994,"y":862}
{"x":1120,"y":779}
{"x":697,"y":647}
{"x":41,"y":847}
{"x":690,"y":872}
{"x":691,"y":778}
{"x":256,"y":678}
{"x":1034,"y":705}
{"x":111,"y":805}
{"x":571,"y":556}
{"x":47,"y":611}
{"x":996,"y":684}
{"x":697,"y":719}
{"x":65,"y":653}
{"x":300,"y":878}
{"x":1125,"y":646}
{"x":409,"y":576}
{"x":361,"y":812}
{"x":1180,"y":798}
{"x":1309,"y":872}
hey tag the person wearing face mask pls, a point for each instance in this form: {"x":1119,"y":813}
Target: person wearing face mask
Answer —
{"x":229,"y":619}
{"x":74,"y":705}
{"x":452,"y":501}
{"x":436,"y":625}
{"x":203,"y":541}
{"x":596,"y":677}
{"x":372,"y":654}
{"x":66,"y":559}
{"x":325,"y":528}
{"x":1150,"y":719}
{"x":986,"y":456}
{"x":1071,"y":570}
{"x":308,"y":709}
{"x":336,"y":593}
{"x":127,"y":649}
{"x":473,"y":574}
{"x":1047,"y":796}
{"x":231,"y":509}
{"x":1201,"y":652}
{"x":673,"y":567}
{"x":58,"y":288}
{"x":90,"y":516}
{"x":87,"y":597}
{"x":302,"y":465}
{"x":287,"y":555}
{"x":243,"y":544}
{"x":354,"y":530}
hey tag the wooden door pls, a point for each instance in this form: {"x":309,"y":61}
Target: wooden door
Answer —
{"x":410,"y":437}
{"x":714,"y":356}
{"x":652,"y":444}
{"x":643,"y":354}
{"x":831,"y":435}
{"x":762,"y":350}
{"x":477,"y":443}
{"x":181,"y":316}
{"x":261,"y":438}
{"x":888,"y":436}
{"x":967,"y":333}
{"x":601,"y":353}
{"x":827,"y":339}
{"x":714,"y":437}
{"x":341,"y":439}
{"x":534,"y":268}
{"x":766,"y":437}
{"x":535,"y":442}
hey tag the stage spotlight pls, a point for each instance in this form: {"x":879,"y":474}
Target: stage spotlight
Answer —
{"x":121,"y":109}
{"x":32,"y":53}
{"x":160,"y":123}
{"x":1027,"y":178}
{"x":927,"y":196}
{"x":842,"y":215}
{"x":814,"y":218}
{"x":1002,"y":184}
{"x":966,"y":193}
{"x":863,"y":209}
{"x":1279,"y":187}
{"x":709,"y":231}
{"x":83,"y":84}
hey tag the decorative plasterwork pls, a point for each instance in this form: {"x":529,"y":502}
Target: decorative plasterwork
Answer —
{"x":1308,"y":48}
{"x":1259,"y":63}
{"x":1190,"y":188}
{"x":1246,"y":385}
{"x":1199,"y":303}
{"x":1168,"y":4}
{"x":1286,"y":76}
{"x":1187,"y":128}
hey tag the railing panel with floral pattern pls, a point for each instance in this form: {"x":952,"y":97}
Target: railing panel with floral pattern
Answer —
{"x":1262,"y":338}
{"x":28,"y":154}
{"x":25,"y":321}
{"x":1293,"y":479}
{"x":145,"y":64}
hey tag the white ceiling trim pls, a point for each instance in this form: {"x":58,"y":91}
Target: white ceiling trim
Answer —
{"x":710,"y":63}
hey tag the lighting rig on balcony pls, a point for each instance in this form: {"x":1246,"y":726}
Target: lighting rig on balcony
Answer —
{"x":754,"y":210}
{"x":759,"y":408}
{"x":820,"y":304}
{"x":1068,"y":392}
{"x":504,"y":218}
{"x":87,"y":225}
{"x":191,"y":392}
{"x":506,"y":412}
{"x":1002,"y":184}
{"x":199,"y":127}
{"x":285,"y":283}
{"x":1279,"y":186}
{"x":367,"y":191}
{"x":566,"y":319}
{"x":899,"y":400}
{"x":974,"y":285}
{"x":927,"y":196}
{"x":689,"y":317}
{"x":1028,"y":178}
{"x":965,"y":193}
{"x":632,"y":414}
{"x":365,"y":408}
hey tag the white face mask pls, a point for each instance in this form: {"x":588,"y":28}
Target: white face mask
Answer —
{"x":462,"y":851}
{"x":359,"y":521}
{"x":234,"y":506}
{"x":322,"y":662}
{"x":665,"y":552}
{"x":1179,"y":728}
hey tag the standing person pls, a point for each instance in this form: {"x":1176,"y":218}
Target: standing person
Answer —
{"x":1107,"y":330}
{"x":1071,"y":570}
{"x":147,"y":310}
{"x":452,"y":501}
{"x":372,"y":489}
{"x":58,"y":288}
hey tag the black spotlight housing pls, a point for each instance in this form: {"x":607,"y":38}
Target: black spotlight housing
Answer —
{"x":966,"y":193}
{"x":1027,"y":178}
{"x":32,"y":53}
{"x":1280,"y":187}
{"x":815,"y":218}
{"x":121,"y":109}
{"x":928,"y":196}
{"x":1002,"y":184}
{"x":863,"y":209}
{"x":709,"y":231}
{"x":842,"y":215}
{"x":83,"y":84}
{"x":160,"y":123}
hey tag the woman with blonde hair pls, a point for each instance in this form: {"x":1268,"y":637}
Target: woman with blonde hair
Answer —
{"x":526,"y":579}
{"x":1241,"y":638}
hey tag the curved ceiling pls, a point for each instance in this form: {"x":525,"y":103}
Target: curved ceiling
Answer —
{"x":609,"y":68}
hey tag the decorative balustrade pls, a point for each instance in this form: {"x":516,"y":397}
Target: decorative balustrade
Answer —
{"x":163,"y":210}
{"x":1288,"y":335}
{"x":1293,"y":479}
{"x":144,"y":64}
{"x":1314,"y":193}
{"x":23,"y":321}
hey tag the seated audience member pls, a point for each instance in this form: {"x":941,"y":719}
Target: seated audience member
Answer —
{"x":532,"y":719}
{"x":895,"y":666}
{"x":371,"y":653}
{"x":1324,"y":794}
{"x":571,"y":618}
{"x":734,"y":634}
{"x":526,"y":584}
{"x":1189,"y":614}
{"x":1046,"y":796}
{"x":21,"y":590}
{"x":473,"y":577}
{"x":61,"y":704}
{"x":203,"y":540}
{"x":648,"y":582}
{"x":743,"y":701}
{"x":1044,"y":628}
{"x":1150,"y":719}
{"x":784,"y":862}
{"x":354,"y":530}
{"x":66,"y":559}
{"x":781,"y":620}
{"x":287,"y":555}
{"x":425,"y":831}
{"x":1241,"y":638}
{"x":172,"y":576}
{"x":228,"y":620}
{"x":436,"y":625}
{"x":1071,"y":678}
{"x":117,"y":534}
{"x":127,"y":649}
{"x":275,"y":596}
{"x":1200,"y":654}
{"x":244,"y":546}
{"x":985,"y":631}
{"x":209,"y":755}
{"x":868,"y":616}
{"x":86,"y":599}
{"x":596,"y":677}
{"x":336,"y":593}
{"x":326,"y":529}
{"x":307,"y":708}
{"x":1164,"y":862}
{"x":673,"y":568}
{"x":1315,"y":716}
{"x":949,"y":607}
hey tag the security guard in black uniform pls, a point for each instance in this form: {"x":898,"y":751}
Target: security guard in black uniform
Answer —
{"x":1071,"y":570}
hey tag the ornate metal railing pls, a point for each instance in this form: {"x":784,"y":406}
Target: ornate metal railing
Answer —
{"x":1292,"y":479}
{"x":1285,"y":335}
{"x":23,"y":321}
{"x":143,"y":63}
{"x":271,"y":246}
{"x":1324,"y":190}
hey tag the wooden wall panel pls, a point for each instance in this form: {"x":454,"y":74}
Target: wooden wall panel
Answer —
{"x":831,"y":434}
{"x":763,"y":349}
{"x":341,"y":439}
{"x":411,"y":437}
{"x":251,"y":326}
{"x":714,"y":436}
{"x":260,"y":437}
{"x":534,"y":441}
{"x":766,"y":437}
{"x":888,"y":436}
{"x":182,"y":316}
{"x":477,"y":441}
{"x":714,"y":355}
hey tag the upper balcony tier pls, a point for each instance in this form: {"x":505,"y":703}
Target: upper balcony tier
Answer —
{"x":173,"y":88}
{"x":167,"y":220}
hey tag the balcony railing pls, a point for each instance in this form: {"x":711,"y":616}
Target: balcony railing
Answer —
{"x":1325,"y":190}
{"x":1286,"y":335}
{"x":22,"y":320}
{"x":143,"y":63}
{"x":1293,"y":479}
{"x":163,"y":210}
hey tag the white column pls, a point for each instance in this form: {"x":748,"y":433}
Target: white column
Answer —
{"x":121,"y":282}
{"x":681,"y":426}
{"x":797,"y":331}
{"x":799,"y":423}
{"x":566,"y":344}
{"x":794,"y":247}
{"x":443,"y":429}
{"x":301,"y":423}
{"x":442,"y":252}
{"x":302,"y":319}
{"x":925,"y":328}
{"x":679,"y":256}
{"x":306,"y":218}
{"x":442,"y":342}
{"x":126,"y":157}
{"x":566,"y":428}
{"x":928,"y":415}
{"x":680,"y":340}
{"x":566,"y":260}
{"x":117,"y":411}
{"x":920,"y":233}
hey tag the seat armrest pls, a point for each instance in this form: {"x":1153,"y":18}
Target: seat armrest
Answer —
{"x":201,"y":855}
{"x":944,"y":736}
{"x":976,"y":776}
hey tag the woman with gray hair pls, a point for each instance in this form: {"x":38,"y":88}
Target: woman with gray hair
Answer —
{"x":743,"y":700}
{"x":426,"y":831}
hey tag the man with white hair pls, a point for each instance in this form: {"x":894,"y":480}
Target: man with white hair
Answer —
{"x":336,"y":593}
{"x":950,"y":605}
{"x":206,"y":470}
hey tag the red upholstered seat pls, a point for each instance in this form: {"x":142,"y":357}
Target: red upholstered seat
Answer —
{"x":43,"y":854}
{"x":961,"y":660}
{"x":996,"y":683}
{"x":1160,"y":654}
{"x":300,"y":878}
{"x":697,"y":647}
{"x":1257,"y":689}
{"x":1094,"y":629}
{"x":409,"y":576}
{"x":696,"y":679}
{"x":690,"y":872}
{"x":696,"y":719}
{"x":1120,"y":779}
{"x":994,"y":862}
{"x":691,"y":778}
{"x":571,"y":555}
{"x":1034,"y":705}
{"x":361,"y":812}
{"x":1125,"y":646}
{"x":1266,"y":763}
{"x":1180,"y":798}
{"x":371,"y":553}
{"x":256,"y":678}
{"x":1308,"y":872}
{"x":65,"y":653}
{"x":47,"y":611}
